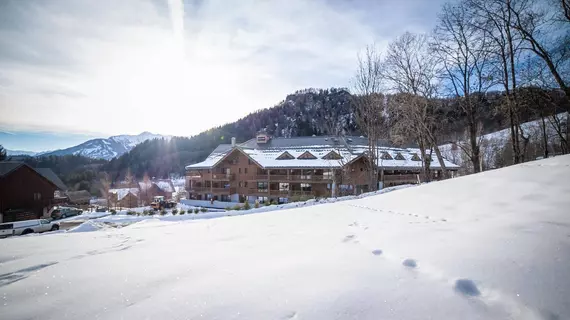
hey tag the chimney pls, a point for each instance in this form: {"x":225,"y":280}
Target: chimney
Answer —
{"x":233,"y":142}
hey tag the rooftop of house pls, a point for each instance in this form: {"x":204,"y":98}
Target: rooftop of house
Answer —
{"x":123,"y":192}
{"x":315,"y":152}
{"x":6,"y":167}
{"x":78,"y":196}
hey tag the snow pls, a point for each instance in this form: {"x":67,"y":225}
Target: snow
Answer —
{"x":494,"y":245}
{"x":88,"y":226}
{"x":268,"y":158}
{"x":123,"y":192}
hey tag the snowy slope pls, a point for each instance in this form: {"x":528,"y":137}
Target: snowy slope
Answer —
{"x":493,"y":142}
{"x":107,"y":148}
{"x":494,"y":245}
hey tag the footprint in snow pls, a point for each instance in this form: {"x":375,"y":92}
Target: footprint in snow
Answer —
{"x":349,"y":238}
{"x":410,"y":263}
{"x":377,"y":252}
{"x":467,"y":287}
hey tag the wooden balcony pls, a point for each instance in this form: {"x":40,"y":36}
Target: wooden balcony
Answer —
{"x":220,"y":177}
{"x":210,"y":190}
{"x":290,"y":178}
{"x":401,"y":178}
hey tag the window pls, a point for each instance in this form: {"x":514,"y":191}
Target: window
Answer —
{"x":285,"y":156}
{"x":283,"y":187}
{"x":332,"y":156}
{"x":328,"y":175}
{"x":240,"y":184}
{"x":399,"y":156}
{"x":43,"y":221}
{"x":239,"y":170}
{"x":386,"y":156}
{"x":306,"y":156}
{"x":249,"y":162}
{"x":306,"y":186}
{"x":37,"y":196}
{"x":245,"y":170}
{"x":415,"y":157}
{"x":262,"y":186}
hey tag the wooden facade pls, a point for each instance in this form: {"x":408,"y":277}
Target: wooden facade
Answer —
{"x":238,"y":178}
{"x":25,"y":194}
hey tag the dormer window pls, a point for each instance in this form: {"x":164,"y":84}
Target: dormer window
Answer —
{"x":386,"y":156}
{"x":415,"y":157}
{"x":262,"y":138}
{"x":306,"y":156}
{"x":399,"y":156}
{"x":285,"y":156}
{"x":332,"y":156}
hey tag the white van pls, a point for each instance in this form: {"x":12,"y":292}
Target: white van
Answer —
{"x":29,"y":226}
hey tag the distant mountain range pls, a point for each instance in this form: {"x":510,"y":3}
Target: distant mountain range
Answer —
{"x":98,"y":148}
{"x":20,"y":153}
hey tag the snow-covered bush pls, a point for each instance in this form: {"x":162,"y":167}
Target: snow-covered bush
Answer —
{"x":174,"y":211}
{"x":203,"y":210}
{"x":246,"y":205}
{"x":113,"y":211}
{"x":182,"y":212}
{"x":162,"y":212}
{"x":196,"y":211}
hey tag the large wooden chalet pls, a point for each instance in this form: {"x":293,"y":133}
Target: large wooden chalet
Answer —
{"x":283,"y":169}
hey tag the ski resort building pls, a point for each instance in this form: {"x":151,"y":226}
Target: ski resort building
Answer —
{"x":288,"y":169}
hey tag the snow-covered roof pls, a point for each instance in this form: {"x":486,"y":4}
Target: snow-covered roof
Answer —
{"x":348,"y":148}
{"x":123,"y":192}
{"x":164,"y":185}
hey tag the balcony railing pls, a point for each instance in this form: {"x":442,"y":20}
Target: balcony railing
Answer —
{"x":412,"y":178}
{"x":210,"y":190}
{"x":292,"y":178}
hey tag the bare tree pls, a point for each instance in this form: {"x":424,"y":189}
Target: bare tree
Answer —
{"x":465,"y":67}
{"x":368,"y":104}
{"x":494,"y":19}
{"x":105,"y":187}
{"x":536,"y":26}
{"x":411,"y":71}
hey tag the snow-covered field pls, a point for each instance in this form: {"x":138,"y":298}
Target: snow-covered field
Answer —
{"x":494,"y":245}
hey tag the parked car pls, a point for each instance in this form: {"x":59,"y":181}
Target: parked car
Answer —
{"x":65,"y":212}
{"x":25,"y":227}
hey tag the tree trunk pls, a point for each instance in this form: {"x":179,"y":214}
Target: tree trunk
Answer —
{"x":544,"y":136}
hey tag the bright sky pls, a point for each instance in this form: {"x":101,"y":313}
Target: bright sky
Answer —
{"x":108,"y":67}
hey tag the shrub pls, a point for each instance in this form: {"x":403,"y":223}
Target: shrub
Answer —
{"x":162,"y":212}
{"x":182,"y":212}
{"x":113,"y":211}
{"x":267,"y":203}
{"x":174,"y":211}
{"x":246,"y":205}
{"x":236,"y":207}
{"x":203,"y":210}
{"x":131,"y":213}
{"x":151,"y":212}
{"x":196,"y":210}
{"x":229,"y":208}
{"x":256,"y":205}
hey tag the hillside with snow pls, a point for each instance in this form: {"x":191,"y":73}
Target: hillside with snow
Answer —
{"x":494,"y":143}
{"x":107,"y":149}
{"x":494,"y":245}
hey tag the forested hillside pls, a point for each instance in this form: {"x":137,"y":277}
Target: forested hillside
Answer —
{"x":304,"y":113}
{"x":77,"y":172}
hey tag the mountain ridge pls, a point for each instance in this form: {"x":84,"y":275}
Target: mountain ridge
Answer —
{"x":106,"y":148}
